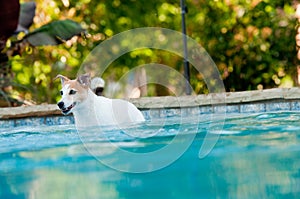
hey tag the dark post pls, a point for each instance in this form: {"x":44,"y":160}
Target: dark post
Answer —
{"x":185,"y":61}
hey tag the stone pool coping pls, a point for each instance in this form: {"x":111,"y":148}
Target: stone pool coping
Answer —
{"x":237,"y":102}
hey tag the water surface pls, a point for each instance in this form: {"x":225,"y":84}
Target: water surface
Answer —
{"x":256,"y":156}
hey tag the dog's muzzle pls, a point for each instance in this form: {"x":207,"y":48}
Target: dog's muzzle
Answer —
{"x":65,"y":110}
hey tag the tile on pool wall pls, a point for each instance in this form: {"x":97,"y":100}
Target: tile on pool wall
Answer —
{"x":158,"y":113}
{"x":154,"y":113}
{"x":171,"y":112}
{"x":31,"y":121}
{"x":233,"y":108}
{"x":58,"y":120}
{"x":146,"y":114}
{"x":206,"y":109}
{"x":190,"y":111}
{"x":7,"y":123}
{"x":219,"y":109}
{"x":295,"y":106}
{"x":278,"y":106}
{"x":36,"y":121}
{"x":252,"y":108}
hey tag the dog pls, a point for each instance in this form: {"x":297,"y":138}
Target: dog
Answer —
{"x":89,"y":109}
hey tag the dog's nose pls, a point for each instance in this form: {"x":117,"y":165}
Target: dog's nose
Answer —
{"x":61,"y":105}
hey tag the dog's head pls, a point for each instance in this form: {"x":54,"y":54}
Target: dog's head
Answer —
{"x":73,"y":92}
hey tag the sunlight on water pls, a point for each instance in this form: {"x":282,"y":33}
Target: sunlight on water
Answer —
{"x":257,"y":156}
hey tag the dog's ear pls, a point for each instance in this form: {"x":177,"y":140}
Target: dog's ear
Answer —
{"x":84,"y":80}
{"x":62,"y":78}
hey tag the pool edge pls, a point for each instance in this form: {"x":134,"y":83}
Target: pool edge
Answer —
{"x":245,"y":101}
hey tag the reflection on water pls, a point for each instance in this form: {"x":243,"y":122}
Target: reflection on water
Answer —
{"x":257,"y":156}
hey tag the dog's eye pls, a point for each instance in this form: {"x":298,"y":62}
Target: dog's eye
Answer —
{"x":72,"y":92}
{"x":61,"y":93}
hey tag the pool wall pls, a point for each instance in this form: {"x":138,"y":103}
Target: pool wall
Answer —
{"x":278,"y":99}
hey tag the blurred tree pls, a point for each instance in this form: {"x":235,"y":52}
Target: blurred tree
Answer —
{"x":16,"y":18}
{"x":251,"y":42}
{"x":9,"y":14}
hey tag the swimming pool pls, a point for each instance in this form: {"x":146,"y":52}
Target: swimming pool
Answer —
{"x":256,"y":156}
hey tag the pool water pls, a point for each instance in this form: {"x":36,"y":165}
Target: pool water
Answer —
{"x":256,"y":156}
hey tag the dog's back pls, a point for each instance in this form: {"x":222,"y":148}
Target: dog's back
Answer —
{"x":116,"y":111}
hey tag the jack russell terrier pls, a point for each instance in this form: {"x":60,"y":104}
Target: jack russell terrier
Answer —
{"x":91,"y":110}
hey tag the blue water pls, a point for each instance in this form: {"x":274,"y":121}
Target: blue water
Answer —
{"x":256,"y":156}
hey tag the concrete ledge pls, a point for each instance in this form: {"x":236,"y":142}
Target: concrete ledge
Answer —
{"x":29,"y":111}
{"x":246,"y":97}
{"x":218,"y":98}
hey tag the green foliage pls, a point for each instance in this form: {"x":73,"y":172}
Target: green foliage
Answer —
{"x":54,"y":33}
{"x":251,"y":42}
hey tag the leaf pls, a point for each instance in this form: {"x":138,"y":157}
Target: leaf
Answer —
{"x":54,"y":33}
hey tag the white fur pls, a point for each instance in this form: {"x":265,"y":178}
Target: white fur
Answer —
{"x":93,"y":110}
{"x":98,"y":110}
